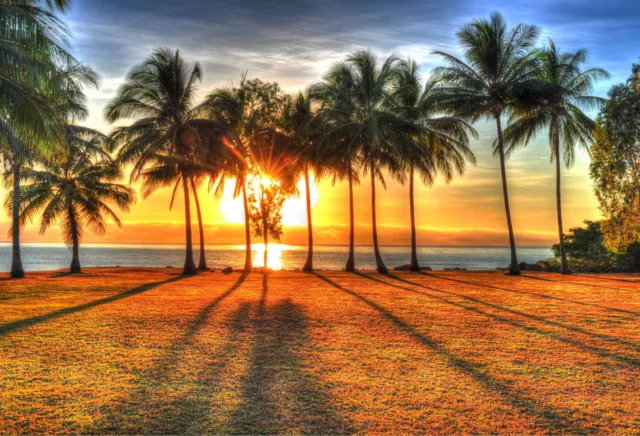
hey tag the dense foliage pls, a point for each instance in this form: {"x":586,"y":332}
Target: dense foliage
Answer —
{"x":615,"y":166}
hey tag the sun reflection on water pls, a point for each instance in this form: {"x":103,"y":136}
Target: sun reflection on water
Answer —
{"x":275,"y":259}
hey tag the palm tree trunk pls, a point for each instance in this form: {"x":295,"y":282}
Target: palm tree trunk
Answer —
{"x":514,"y":268}
{"x":75,"y":239}
{"x":308,"y":266}
{"x":564,"y":264}
{"x":248,"y":264}
{"x":351,"y":261}
{"x":382,"y":269}
{"x":415,"y":266}
{"x":202,"y":264}
{"x":17,"y":271}
{"x":189,"y":264}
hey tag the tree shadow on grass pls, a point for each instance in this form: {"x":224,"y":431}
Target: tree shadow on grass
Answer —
{"x":186,"y":414}
{"x":571,"y":282}
{"x":545,"y":416}
{"x":278,"y":394}
{"x":613,"y":279}
{"x":535,"y":294}
{"x":551,"y":335}
{"x":541,"y":319}
{"x":28,"y":322}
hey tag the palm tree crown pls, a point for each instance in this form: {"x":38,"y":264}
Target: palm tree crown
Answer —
{"x":74,"y":189}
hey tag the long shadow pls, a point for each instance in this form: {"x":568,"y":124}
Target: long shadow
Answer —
{"x":569,"y":282}
{"x":188,"y":411}
{"x":597,"y":351}
{"x":545,"y":416}
{"x":598,"y":277}
{"x":534,"y":294}
{"x":278,"y":395}
{"x":28,"y":322}
{"x":541,"y":319}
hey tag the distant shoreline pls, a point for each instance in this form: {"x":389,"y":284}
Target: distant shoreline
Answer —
{"x":179,"y":245}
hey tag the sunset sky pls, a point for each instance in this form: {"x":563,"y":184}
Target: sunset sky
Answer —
{"x":294,"y":42}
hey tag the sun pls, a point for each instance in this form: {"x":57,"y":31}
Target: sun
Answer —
{"x":294,"y":210}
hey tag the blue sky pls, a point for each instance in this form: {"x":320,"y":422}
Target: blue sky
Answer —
{"x":294,"y":42}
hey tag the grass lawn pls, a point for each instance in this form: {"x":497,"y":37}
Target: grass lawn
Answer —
{"x":145,"y":351}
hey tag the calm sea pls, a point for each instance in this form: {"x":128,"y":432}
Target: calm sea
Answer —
{"x":45,"y":257}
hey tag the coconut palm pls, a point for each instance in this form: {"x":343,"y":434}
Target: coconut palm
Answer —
{"x":305,"y":132}
{"x":64,"y":93}
{"x":499,"y":76}
{"x":32,"y":50}
{"x":442,"y":144}
{"x":567,"y":124}
{"x":168,"y":133}
{"x":243,"y":114}
{"x":75,"y":190}
{"x":373,"y":126}
{"x":337,"y":149}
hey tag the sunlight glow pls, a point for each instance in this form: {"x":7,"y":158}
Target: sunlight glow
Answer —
{"x":294,"y":210}
{"x":274,"y":256}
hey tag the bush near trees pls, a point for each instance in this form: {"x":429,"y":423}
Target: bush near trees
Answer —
{"x":587,"y":252}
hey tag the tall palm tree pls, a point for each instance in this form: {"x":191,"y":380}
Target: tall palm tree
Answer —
{"x":499,"y":76}
{"x":304,"y":131}
{"x":567,"y":124}
{"x":32,"y":49}
{"x":338,"y":150}
{"x":64,"y":94}
{"x":243,"y":114}
{"x":442,"y":144}
{"x":75,"y":189}
{"x":373,"y":125}
{"x":165,"y":139}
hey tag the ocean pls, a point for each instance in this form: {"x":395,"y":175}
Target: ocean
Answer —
{"x":48,"y":257}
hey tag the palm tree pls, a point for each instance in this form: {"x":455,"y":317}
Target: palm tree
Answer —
{"x":337,"y":149}
{"x":32,"y":49}
{"x":64,"y":93}
{"x":169,"y":132}
{"x":373,"y":125}
{"x":563,"y":117}
{"x":304,"y":132}
{"x":243,"y":113}
{"x":75,"y":189}
{"x":498,"y":77}
{"x":442,"y":144}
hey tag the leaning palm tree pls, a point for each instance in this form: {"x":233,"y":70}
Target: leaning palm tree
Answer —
{"x":75,"y":190}
{"x":499,"y":76}
{"x":567,"y":124}
{"x":374,"y":126}
{"x":169,"y":131}
{"x":442,"y":143}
